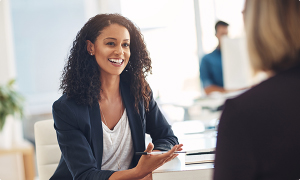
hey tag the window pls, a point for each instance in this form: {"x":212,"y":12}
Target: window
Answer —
{"x":169,"y":30}
{"x":43,"y":33}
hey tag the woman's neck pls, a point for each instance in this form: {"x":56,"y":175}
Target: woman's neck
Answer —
{"x":110,"y":88}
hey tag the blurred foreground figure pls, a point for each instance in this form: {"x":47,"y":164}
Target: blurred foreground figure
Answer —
{"x":259,"y":136}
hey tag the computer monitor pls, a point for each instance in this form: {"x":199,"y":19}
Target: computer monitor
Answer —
{"x":237,"y":72}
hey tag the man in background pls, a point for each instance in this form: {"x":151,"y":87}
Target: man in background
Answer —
{"x":211,"y":72}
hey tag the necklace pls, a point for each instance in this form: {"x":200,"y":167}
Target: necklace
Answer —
{"x":101,"y":113}
{"x":103,"y":116}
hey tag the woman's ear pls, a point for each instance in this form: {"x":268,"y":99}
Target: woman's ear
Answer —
{"x":90,"y":47}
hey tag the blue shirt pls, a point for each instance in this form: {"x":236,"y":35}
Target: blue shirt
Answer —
{"x":211,"y":71}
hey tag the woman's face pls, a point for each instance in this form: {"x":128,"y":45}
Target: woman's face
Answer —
{"x":111,"y":49}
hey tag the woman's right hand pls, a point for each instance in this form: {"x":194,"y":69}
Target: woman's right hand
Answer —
{"x":148,"y":163}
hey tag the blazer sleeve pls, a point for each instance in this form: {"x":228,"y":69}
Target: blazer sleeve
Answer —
{"x":159,"y":129}
{"x":75,"y":148}
{"x":234,"y":151}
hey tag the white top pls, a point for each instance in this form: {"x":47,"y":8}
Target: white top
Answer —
{"x":117,"y":146}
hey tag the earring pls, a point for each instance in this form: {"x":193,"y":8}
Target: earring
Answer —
{"x":91,"y":54}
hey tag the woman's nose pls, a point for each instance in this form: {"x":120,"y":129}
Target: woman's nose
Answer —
{"x":119,"y":50}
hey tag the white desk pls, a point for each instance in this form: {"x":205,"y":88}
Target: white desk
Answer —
{"x":177,"y":170}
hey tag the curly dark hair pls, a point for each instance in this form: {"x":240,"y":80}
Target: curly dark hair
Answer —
{"x":80,"y":77}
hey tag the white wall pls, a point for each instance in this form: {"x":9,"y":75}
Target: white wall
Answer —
{"x":111,"y":6}
{"x":7,"y":65}
{"x":43,"y":34}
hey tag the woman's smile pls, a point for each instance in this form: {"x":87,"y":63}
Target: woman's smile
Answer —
{"x":116,"y":61}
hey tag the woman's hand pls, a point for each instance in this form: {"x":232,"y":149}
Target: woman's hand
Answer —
{"x":148,"y":163}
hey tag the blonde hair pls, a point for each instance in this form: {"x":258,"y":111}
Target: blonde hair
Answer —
{"x":273,"y":33}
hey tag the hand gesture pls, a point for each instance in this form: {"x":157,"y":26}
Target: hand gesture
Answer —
{"x":148,"y":163}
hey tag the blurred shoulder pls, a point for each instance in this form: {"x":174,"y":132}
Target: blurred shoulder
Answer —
{"x":283,"y":87}
{"x":211,"y":56}
{"x":206,"y":57}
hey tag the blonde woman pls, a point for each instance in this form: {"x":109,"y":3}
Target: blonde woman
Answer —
{"x":259,"y":136}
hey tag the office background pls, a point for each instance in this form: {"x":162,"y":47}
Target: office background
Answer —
{"x":36,"y":36}
{"x":42,"y":33}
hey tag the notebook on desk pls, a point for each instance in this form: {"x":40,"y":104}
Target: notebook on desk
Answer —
{"x":199,"y":159}
{"x":200,"y":156}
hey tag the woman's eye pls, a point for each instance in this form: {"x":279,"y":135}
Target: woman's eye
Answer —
{"x":126,"y":45}
{"x":110,"y":43}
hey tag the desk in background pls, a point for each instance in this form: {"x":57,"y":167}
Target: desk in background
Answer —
{"x":17,"y":163}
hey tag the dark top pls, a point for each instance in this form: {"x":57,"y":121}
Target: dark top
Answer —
{"x":80,"y":136}
{"x":259,"y":135}
{"x":211,"y":69}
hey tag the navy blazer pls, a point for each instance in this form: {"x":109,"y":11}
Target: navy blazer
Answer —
{"x":80,"y":135}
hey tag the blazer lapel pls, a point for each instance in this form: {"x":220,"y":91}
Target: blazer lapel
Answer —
{"x":135,"y":123}
{"x":96,"y":133}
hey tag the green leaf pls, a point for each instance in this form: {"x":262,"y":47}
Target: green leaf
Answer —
{"x":11,"y":102}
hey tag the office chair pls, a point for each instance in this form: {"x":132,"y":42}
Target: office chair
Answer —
{"x":47,"y":150}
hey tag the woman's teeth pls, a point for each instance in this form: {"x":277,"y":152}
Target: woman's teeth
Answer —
{"x":116,"y":61}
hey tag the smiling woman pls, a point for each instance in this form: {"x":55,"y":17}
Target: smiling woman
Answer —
{"x":111,"y":49}
{"x":99,"y":37}
{"x":108,"y":106}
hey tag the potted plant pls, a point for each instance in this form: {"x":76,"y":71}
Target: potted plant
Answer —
{"x":11,"y":105}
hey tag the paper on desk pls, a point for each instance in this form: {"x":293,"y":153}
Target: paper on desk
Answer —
{"x":193,"y":151}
